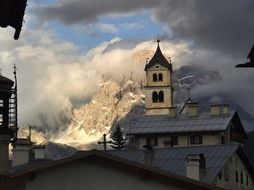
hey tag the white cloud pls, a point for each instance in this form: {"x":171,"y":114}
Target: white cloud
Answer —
{"x":52,"y":75}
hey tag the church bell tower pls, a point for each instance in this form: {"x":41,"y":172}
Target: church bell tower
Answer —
{"x":158,"y":89}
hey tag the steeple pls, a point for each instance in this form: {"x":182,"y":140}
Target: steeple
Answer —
{"x":158,"y":58}
{"x":158,"y":89}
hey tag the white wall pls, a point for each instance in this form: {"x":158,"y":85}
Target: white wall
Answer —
{"x":88,"y":176}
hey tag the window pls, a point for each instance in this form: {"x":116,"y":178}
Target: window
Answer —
{"x":247,"y":180}
{"x":155,"y":96}
{"x":173,"y":140}
{"x":153,"y":141}
{"x":236,"y":176}
{"x":1,"y":103}
{"x":222,"y":140}
{"x":154,"y":77}
{"x":220,"y":175}
{"x":160,"y":77}
{"x":161,"y":96}
{"x":241,"y":177}
{"x":196,"y":139}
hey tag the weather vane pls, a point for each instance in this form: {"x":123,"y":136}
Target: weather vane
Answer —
{"x":251,"y":59}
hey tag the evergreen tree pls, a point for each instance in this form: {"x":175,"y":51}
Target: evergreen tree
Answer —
{"x":118,"y":141}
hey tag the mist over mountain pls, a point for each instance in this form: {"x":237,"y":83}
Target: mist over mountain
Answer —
{"x":123,"y":102}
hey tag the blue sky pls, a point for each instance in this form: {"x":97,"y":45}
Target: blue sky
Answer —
{"x":138,"y":26}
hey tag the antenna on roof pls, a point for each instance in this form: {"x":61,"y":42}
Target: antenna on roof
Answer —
{"x":189,"y":95}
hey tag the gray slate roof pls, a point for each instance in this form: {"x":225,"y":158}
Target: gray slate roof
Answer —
{"x":173,"y":159}
{"x":154,"y":124}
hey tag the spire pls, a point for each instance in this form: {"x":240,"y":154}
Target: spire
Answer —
{"x":189,"y":96}
{"x":158,"y":58}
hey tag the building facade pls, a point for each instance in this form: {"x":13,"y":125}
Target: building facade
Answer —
{"x":163,"y":125}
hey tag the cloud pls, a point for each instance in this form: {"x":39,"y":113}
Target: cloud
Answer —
{"x":219,"y":26}
{"x":223,"y":26}
{"x":71,"y":12}
{"x":54,"y":77}
{"x":108,"y":28}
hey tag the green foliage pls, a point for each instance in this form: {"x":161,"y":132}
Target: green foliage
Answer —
{"x":118,"y":140}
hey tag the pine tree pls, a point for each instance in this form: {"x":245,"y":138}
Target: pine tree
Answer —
{"x":118,"y":141}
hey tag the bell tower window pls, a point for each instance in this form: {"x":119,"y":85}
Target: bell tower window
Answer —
{"x":155,"y":96}
{"x":155,"y":77}
{"x":161,"y":96}
{"x":160,"y":77}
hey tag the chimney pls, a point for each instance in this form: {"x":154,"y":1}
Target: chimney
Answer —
{"x":225,"y":109}
{"x":172,"y":112}
{"x":215,"y":109}
{"x":39,"y":152}
{"x":192,"y":162}
{"x":4,"y":154}
{"x":148,"y":155}
{"x":192,"y":109}
{"x":21,"y":152}
{"x":195,"y":166}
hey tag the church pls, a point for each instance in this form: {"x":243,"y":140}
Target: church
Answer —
{"x":164,"y":125}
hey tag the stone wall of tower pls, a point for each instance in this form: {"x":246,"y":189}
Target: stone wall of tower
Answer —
{"x":164,"y":85}
{"x":158,"y":107}
{"x":156,"y":70}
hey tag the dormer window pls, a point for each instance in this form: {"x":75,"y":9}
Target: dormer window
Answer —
{"x":160,"y":77}
{"x":155,"y":77}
